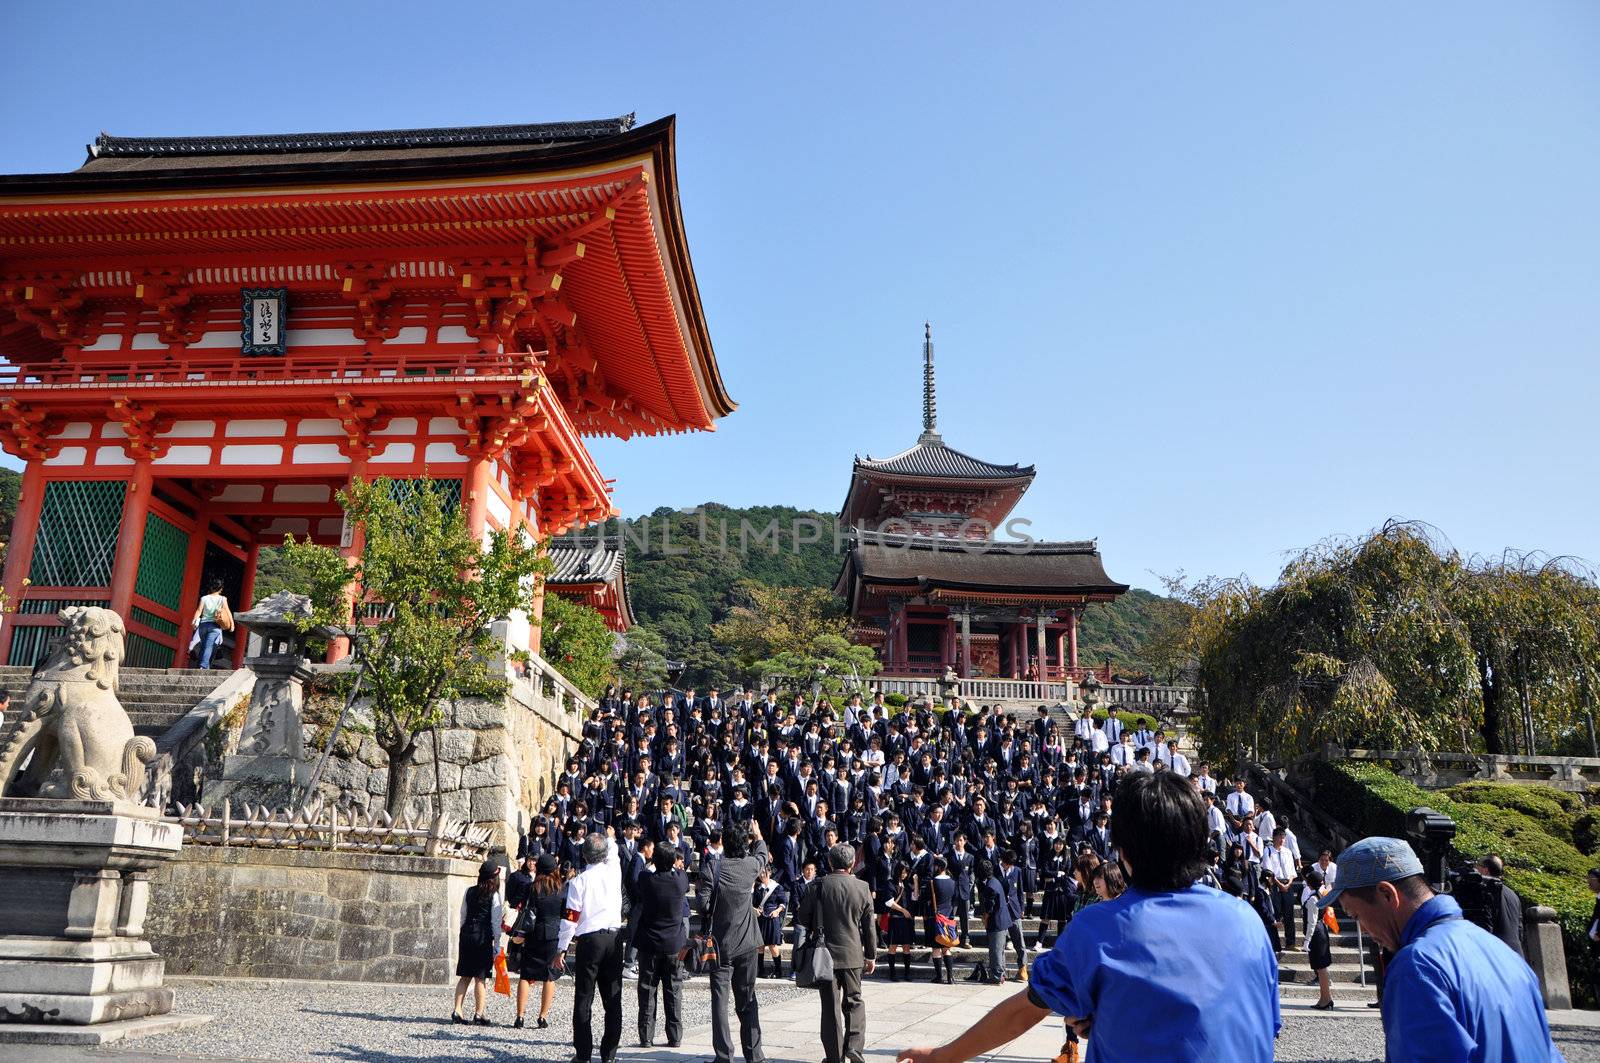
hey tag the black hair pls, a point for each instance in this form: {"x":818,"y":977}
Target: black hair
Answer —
{"x":214,"y":585}
{"x":734,"y":842}
{"x":1158,"y":822}
{"x":664,"y":857}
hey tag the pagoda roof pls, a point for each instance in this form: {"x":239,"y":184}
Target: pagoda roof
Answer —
{"x":953,"y":568}
{"x":933,"y":459}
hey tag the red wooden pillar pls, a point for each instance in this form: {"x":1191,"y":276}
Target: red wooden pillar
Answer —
{"x":19,"y":554}
{"x":188,"y":599}
{"x":475,"y":487}
{"x":247,"y":590}
{"x":130,"y":538}
{"x":1072,"y":639}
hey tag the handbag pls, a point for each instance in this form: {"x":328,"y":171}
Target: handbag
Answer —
{"x":502,"y":981}
{"x":813,"y":963}
{"x":945,"y":932}
{"x":1330,"y":920}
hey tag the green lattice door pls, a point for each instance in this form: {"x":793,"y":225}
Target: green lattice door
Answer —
{"x":160,"y":582}
{"x":77,"y":540}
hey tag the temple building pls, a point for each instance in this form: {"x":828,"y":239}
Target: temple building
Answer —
{"x":206,"y":337}
{"x":930,"y":586}
{"x":595,"y":576}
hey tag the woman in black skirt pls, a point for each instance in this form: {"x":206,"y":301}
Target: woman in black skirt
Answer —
{"x":478,"y":942}
{"x":538,"y":928}
{"x":1318,"y":949}
{"x":940,"y":904}
{"x":1056,"y":877}
{"x":900,"y":904}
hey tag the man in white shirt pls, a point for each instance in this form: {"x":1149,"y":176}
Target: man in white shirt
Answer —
{"x":1327,"y":868}
{"x":1122,"y":752}
{"x":594,"y":920}
{"x":1203,"y":780}
{"x":1266,"y":822}
{"x":1239,"y":803}
{"x":1113,"y":727}
{"x":1175,"y":761}
{"x":1277,"y":861}
{"x":1216,"y":825}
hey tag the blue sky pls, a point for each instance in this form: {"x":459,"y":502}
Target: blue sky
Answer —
{"x":1234,"y":277}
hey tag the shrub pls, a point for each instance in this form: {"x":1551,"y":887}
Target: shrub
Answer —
{"x":1586,"y":833}
{"x":895,"y":701}
{"x":1511,"y":819}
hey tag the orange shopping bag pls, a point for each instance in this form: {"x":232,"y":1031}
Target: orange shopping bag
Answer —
{"x":502,"y":981}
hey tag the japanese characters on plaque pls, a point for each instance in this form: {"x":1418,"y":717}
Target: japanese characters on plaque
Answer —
{"x":266,"y":313}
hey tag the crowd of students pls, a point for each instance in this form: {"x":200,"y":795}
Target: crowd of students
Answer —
{"x":959,"y":816}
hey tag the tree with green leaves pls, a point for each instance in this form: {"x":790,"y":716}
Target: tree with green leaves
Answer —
{"x":800,"y":632}
{"x":643,"y":662}
{"x":1393,"y":640}
{"x":416,"y":604}
{"x":575,"y":639}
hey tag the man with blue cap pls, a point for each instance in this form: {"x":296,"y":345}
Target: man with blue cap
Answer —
{"x":1453,"y":990}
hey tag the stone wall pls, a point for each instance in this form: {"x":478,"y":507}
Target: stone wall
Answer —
{"x":283,"y":913}
{"x":496,"y":761}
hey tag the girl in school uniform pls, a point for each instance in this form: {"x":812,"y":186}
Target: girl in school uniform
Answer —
{"x":478,"y":942}
{"x":900,"y":904}
{"x":771,"y":901}
{"x":538,"y":929}
{"x":1318,"y":950}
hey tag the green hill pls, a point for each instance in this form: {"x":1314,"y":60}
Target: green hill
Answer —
{"x":683,"y":568}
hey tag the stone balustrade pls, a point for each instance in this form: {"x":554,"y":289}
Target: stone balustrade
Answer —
{"x":1435,"y":770}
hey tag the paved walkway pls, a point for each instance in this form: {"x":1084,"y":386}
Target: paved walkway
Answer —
{"x":320,"y":1022}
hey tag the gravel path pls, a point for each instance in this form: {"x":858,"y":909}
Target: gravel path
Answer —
{"x":318,"y":1022}
{"x":391,"y":1024}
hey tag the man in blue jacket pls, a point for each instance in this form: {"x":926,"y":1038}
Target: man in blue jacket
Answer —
{"x":1453,"y":990}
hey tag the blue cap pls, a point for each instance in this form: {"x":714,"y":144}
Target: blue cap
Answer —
{"x":1371,"y":861}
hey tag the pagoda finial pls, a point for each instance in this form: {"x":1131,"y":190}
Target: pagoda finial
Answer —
{"x":930,"y":409}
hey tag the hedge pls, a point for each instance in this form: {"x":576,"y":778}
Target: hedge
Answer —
{"x":1531,"y":827}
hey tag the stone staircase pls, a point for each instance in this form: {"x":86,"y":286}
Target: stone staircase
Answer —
{"x":156,"y":698}
{"x":1296,"y":983}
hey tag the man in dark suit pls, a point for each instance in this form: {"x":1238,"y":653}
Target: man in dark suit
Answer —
{"x":733,"y":925}
{"x":839,"y":908}
{"x":962,"y":862}
{"x":660,"y":938}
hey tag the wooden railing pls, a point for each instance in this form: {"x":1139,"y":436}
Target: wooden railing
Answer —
{"x":325,"y":828}
{"x":193,"y":367}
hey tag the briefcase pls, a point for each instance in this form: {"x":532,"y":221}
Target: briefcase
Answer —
{"x":813,"y":964}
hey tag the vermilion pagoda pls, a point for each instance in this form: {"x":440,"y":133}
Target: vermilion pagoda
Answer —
{"x":462,"y":304}
{"x":930,"y":587}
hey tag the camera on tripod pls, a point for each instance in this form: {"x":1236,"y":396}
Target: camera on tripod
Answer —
{"x":1478,"y":894}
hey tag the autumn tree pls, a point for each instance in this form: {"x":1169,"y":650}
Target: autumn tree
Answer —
{"x":416,"y":604}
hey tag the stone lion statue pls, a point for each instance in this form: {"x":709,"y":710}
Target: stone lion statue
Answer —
{"x":82,"y":743}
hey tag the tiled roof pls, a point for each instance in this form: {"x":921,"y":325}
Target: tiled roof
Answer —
{"x":933,"y":562}
{"x":107,"y":146}
{"x":932,"y":458}
{"x":584,"y":563}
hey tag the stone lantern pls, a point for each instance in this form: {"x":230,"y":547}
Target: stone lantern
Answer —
{"x":270,"y":765}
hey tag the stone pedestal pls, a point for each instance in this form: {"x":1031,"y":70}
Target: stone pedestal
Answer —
{"x":1547,"y":955}
{"x":75,"y":878}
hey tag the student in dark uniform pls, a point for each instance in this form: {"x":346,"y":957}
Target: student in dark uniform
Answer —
{"x":771,"y":901}
{"x":900,"y":902}
{"x":941,"y":908}
{"x":537,"y":928}
{"x":478,"y":941}
{"x":1056,"y":876}
{"x":518,"y":885}
{"x":962,"y":862}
